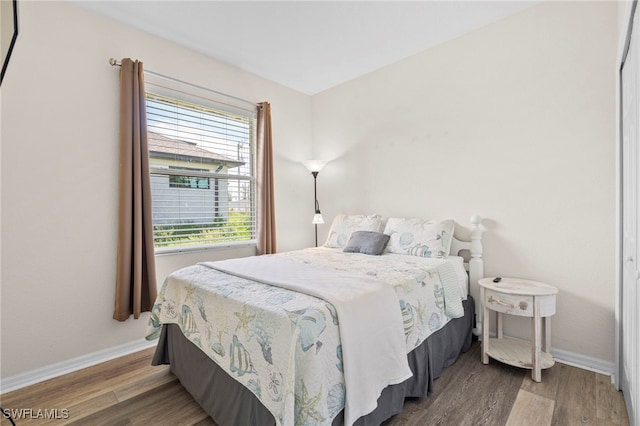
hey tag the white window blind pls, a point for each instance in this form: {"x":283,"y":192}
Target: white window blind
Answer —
{"x":201,"y":157}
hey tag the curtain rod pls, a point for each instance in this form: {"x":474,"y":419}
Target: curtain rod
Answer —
{"x":115,"y":63}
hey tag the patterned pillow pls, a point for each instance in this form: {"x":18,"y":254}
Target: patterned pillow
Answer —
{"x":419,"y":237}
{"x":343,"y":225}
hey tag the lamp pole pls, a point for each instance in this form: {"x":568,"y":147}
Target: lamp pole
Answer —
{"x":314,"y":166}
{"x":315,"y":201}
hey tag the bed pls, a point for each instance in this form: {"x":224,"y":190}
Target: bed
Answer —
{"x":328,"y":335}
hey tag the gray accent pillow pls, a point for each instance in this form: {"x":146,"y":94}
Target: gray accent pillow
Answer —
{"x":367,"y":242}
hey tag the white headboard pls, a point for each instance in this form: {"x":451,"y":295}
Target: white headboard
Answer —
{"x":474,"y":265}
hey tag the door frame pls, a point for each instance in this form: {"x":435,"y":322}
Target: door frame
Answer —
{"x":617,"y":379}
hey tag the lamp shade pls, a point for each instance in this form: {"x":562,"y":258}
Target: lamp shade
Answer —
{"x":314,"y":165}
{"x":317,"y":219}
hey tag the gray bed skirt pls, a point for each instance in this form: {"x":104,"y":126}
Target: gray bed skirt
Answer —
{"x":230,"y":403}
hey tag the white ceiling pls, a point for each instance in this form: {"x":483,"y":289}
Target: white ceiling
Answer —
{"x":309,"y":46}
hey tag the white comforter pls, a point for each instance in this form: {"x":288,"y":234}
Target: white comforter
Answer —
{"x":368,"y":313}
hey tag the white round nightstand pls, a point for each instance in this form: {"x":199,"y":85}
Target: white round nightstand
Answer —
{"x":525,"y":298}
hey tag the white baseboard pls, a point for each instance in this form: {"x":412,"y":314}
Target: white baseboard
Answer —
{"x":41,"y":374}
{"x":583,"y":361}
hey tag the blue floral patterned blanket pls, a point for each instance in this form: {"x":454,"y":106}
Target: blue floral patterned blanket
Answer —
{"x":367,"y":312}
{"x":276,"y":341}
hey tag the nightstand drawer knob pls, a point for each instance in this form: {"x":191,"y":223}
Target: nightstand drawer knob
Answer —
{"x":500,"y":302}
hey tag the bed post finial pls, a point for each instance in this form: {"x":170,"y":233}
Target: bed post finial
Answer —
{"x":476,"y":269}
{"x":476,"y":238}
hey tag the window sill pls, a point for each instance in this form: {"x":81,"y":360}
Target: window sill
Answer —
{"x":170,"y":251}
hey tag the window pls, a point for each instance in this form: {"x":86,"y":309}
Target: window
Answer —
{"x":178,"y":181}
{"x":188,"y":182}
{"x":201,"y":156}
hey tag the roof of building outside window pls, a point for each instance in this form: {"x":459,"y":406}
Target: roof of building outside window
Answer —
{"x":161,"y":146}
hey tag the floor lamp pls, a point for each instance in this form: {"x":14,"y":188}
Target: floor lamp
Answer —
{"x":314,"y":166}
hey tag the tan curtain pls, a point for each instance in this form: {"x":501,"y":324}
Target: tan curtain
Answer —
{"x":136,"y":289}
{"x":266,"y":216}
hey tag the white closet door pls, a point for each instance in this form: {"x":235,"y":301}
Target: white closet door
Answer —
{"x":630,"y":296}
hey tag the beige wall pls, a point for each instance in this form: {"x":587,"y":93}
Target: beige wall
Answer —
{"x":6,"y":23}
{"x":59,"y":174}
{"x":624,"y":13}
{"x":514,"y":122}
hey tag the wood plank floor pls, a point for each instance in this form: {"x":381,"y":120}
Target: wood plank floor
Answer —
{"x":129,"y":391}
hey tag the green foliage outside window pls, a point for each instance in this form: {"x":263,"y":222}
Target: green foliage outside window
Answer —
{"x":237,"y":227}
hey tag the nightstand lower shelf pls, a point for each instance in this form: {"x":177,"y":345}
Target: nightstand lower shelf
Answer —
{"x":517,"y":353}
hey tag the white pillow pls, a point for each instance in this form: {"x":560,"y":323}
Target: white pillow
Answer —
{"x":419,"y":237}
{"x":343,"y":225}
